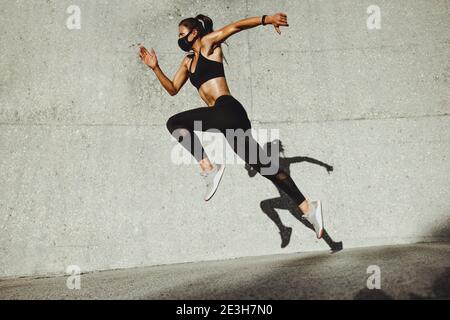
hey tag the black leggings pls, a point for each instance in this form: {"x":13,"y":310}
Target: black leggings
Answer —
{"x":228,"y":113}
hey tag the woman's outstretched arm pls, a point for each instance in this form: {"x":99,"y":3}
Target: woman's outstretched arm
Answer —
{"x":220,"y":35}
{"x":180,"y":78}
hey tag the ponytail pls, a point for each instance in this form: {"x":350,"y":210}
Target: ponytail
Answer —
{"x":205,"y":24}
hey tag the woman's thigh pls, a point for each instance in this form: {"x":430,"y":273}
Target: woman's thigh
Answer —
{"x":187,"y":118}
{"x":207,"y":118}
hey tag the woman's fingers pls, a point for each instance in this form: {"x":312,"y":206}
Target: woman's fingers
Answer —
{"x":143,"y":56}
{"x":281,"y":20}
{"x":282,"y":17}
{"x":146,"y":56}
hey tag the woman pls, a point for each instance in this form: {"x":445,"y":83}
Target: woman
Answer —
{"x":205,"y":70}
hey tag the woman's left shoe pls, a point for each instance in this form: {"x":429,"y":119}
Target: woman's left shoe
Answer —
{"x":336,"y":246}
{"x":285,"y":234}
{"x":212,"y":180}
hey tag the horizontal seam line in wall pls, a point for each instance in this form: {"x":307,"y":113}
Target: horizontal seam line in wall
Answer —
{"x":78,"y":125}
{"x":342,"y":49}
{"x":357,"y":119}
{"x":255,"y":121}
{"x":403,"y":46}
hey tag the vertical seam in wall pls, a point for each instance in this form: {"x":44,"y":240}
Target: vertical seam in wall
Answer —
{"x":249,"y":63}
{"x":312,"y":14}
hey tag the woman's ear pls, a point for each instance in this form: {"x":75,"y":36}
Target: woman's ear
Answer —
{"x":195,"y":33}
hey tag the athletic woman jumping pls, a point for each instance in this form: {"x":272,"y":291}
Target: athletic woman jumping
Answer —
{"x":204,"y":67}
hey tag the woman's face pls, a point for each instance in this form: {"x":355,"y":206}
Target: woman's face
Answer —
{"x":186,"y":38}
{"x":183,"y":31}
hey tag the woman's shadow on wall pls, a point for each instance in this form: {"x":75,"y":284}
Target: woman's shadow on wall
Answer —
{"x":283,"y":202}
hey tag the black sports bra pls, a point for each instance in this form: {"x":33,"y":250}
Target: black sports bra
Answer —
{"x":205,"y":70}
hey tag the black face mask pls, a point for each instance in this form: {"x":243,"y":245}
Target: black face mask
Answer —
{"x":185,"y":44}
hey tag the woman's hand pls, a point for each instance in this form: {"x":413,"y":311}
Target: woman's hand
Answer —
{"x":149,"y":58}
{"x":278,"y":20}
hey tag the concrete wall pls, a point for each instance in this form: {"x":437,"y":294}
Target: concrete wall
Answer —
{"x":85,"y":171}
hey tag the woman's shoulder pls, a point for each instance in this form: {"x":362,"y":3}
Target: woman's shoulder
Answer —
{"x":188,"y":57}
{"x":186,"y":60}
{"x":212,"y":52}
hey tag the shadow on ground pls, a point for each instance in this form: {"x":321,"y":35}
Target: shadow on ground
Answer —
{"x":407,"y":272}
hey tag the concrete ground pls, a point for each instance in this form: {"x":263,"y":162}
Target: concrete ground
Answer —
{"x":406,"y":272}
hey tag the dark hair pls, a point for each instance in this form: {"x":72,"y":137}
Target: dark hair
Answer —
{"x":202,"y":28}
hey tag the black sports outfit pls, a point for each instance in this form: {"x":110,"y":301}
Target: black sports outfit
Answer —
{"x":227,"y":113}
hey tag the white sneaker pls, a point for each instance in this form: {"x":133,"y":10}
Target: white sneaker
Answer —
{"x":314,"y":216}
{"x":212,"y":180}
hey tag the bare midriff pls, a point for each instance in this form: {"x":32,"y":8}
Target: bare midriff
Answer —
{"x":212,"y":89}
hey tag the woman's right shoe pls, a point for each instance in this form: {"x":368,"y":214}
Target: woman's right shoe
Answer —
{"x":212,"y":180}
{"x":314,"y":216}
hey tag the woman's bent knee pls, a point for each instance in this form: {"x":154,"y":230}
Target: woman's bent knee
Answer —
{"x":170,"y":124}
{"x":173,"y":124}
